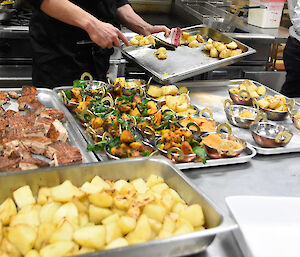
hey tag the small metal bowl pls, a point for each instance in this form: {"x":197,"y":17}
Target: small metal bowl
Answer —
{"x":294,"y":119}
{"x":218,"y":153}
{"x":200,"y":115}
{"x":273,"y":114}
{"x":242,"y":98}
{"x":176,"y":155}
{"x":113,"y":157}
{"x":233,"y":115}
{"x":270,"y":135}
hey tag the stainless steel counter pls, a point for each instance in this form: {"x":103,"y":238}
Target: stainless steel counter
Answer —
{"x":277,"y":175}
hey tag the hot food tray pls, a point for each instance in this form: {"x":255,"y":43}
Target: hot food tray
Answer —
{"x":244,"y":157}
{"x":49,"y":99}
{"x":184,"y":62}
{"x":216,"y":220}
{"x":212,"y":94}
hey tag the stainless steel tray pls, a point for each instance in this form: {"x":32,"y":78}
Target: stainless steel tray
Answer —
{"x":245,"y":156}
{"x":216,"y":220}
{"x":212,"y":94}
{"x":184,"y":62}
{"x":49,"y":99}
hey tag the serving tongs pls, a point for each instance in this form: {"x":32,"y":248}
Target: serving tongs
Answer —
{"x":171,"y":42}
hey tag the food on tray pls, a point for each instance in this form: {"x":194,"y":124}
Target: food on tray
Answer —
{"x":247,"y":114}
{"x":128,"y":84}
{"x":67,"y":220}
{"x":127,"y":146}
{"x":160,"y":93}
{"x":297,"y":115}
{"x":250,"y":87}
{"x":38,"y":131}
{"x":215,"y":140}
{"x":192,"y":41}
{"x":161,"y":53}
{"x":179,"y":104}
{"x":141,"y":40}
{"x":183,"y":141}
{"x":218,"y":49}
{"x":276,"y":102}
{"x":205,"y":125}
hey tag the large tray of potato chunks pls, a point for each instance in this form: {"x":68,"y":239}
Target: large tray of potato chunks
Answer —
{"x":184,"y":62}
{"x":212,"y":94}
{"x":137,"y":207}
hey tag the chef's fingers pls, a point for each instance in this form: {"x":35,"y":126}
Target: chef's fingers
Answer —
{"x":157,"y":29}
{"x":116,"y":41}
{"x":123,"y":38}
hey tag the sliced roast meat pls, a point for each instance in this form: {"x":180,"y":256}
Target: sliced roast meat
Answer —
{"x":44,"y":121}
{"x":3,"y":124}
{"x":13,"y":94}
{"x":32,"y":163}
{"x":2,"y":111}
{"x":34,"y":107}
{"x":52,"y":113}
{"x":38,"y":131}
{"x":28,"y":90}
{"x":23,"y":100}
{"x":37,"y":145}
{"x":57,"y":132}
{"x":7,"y":164}
{"x":15,"y":150}
{"x":62,"y":153}
{"x":3,"y":98}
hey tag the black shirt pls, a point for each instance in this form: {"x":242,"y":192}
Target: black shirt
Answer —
{"x":57,"y":59}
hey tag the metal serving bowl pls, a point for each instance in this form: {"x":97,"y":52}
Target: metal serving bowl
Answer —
{"x":294,"y":119}
{"x":218,"y":153}
{"x":270,"y":135}
{"x":242,"y":98}
{"x":273,"y":114}
{"x":233,"y":115}
{"x":113,"y":157}
{"x":176,"y":155}
{"x":200,"y":115}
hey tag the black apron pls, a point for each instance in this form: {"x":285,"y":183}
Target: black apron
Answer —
{"x":57,"y":58}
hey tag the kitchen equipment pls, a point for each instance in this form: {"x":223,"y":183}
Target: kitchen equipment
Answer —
{"x":246,"y":156}
{"x":270,"y":135}
{"x":212,"y":94}
{"x":49,"y":99}
{"x":233,"y":113}
{"x":216,"y":220}
{"x":184,"y":62}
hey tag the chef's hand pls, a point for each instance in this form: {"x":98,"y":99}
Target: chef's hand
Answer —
{"x":155,"y":29}
{"x":105,"y":35}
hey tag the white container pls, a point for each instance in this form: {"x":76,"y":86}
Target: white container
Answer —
{"x":266,"y":18}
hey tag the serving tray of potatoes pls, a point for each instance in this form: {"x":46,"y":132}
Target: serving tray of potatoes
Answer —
{"x":191,"y":58}
{"x":212,"y":94}
{"x":130,"y":208}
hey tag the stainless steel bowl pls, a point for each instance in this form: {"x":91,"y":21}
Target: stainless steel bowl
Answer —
{"x":270,"y":135}
{"x":233,"y":115}
{"x":219,"y":153}
{"x":176,"y":155}
{"x":113,"y":157}
{"x":240,"y":100}
{"x":273,"y":114}
{"x":294,"y":119}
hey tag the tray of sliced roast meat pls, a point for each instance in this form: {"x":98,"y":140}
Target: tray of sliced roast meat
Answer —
{"x":37,"y":131}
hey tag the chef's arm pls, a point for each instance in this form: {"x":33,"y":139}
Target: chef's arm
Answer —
{"x":133,"y":21}
{"x":102,"y":33}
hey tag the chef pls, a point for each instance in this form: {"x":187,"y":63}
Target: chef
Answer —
{"x":57,"y":26}
{"x":291,"y":53}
